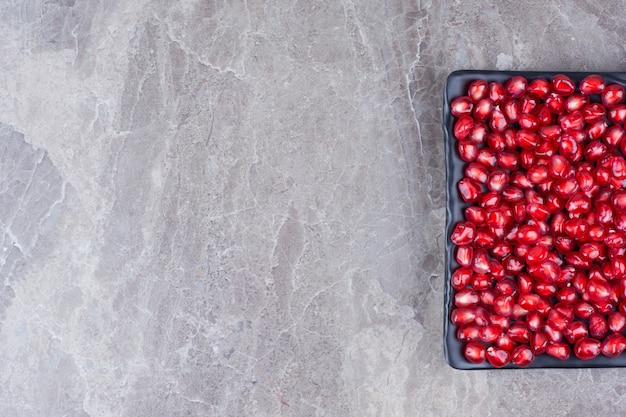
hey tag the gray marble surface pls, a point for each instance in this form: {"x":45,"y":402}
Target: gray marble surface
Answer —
{"x":237,"y":208}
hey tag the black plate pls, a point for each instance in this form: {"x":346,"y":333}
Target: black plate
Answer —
{"x":456,"y":86}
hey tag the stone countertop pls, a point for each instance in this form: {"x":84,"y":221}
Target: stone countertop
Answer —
{"x":237,"y":208}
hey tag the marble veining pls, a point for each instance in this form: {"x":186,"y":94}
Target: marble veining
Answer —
{"x":237,"y":208}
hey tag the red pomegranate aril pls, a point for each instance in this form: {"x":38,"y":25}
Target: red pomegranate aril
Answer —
{"x":595,"y":151}
{"x":495,"y":141}
{"x":522,"y":356}
{"x":497,"y":357}
{"x":503,"y":305}
{"x":508,"y":160}
{"x":617,"y":322}
{"x":482,"y":109}
{"x":527,"y":139}
{"x":596,"y":131}
{"x":528,"y":103}
{"x":463,"y":127}
{"x":468,"y":332}
{"x":557,"y":320}
{"x":550,"y":132}
{"x":506,"y":286}
{"x":463,"y":233}
{"x":567,"y":295}
{"x":539,"y":342}
{"x":575,"y":331}
{"x":598,"y":289}
{"x":528,"y":158}
{"x":613,"y":345}
{"x":497,"y":92}
{"x":462,"y":315}
{"x":511,"y":110}
{"x":615,"y":239}
{"x":490,"y":200}
{"x":545,"y":290}
{"x":490,"y":333}
{"x":553,"y":335}
{"x":468,"y":150}
{"x":497,"y":121}
{"x":619,"y":201}
{"x":613,"y":136}
{"x":576,"y":229}
{"x":612,"y":95}
{"x":587,"y":348}
{"x":484,"y":239}
{"x":592,"y":84}
{"x":617,"y":115}
{"x":464,"y":255}
{"x":579,"y":203}
{"x":558,"y":350}
{"x":512,"y":265}
{"x":591,"y":251}
{"x":470,"y":190}
{"x":477,"y":90}
{"x":536,"y":255}
{"x":475,"y":352}
{"x":528,"y":234}
{"x":512,"y":194}
{"x":537,"y":174}
{"x":555,"y":103}
{"x":516,"y":86}
{"x":480,"y":262}
{"x":594,"y":112}
{"x":498,"y":180}
{"x":461,"y":106}
{"x":598,"y":326}
{"x":549,"y":271}
{"x":572,"y":121}
{"x":583,"y":309}
{"x":510,"y":135}
{"x":466,"y":298}
{"x":560,"y":167}
{"x":545,"y":116}
{"x":461,"y":278}
{"x":519,"y":332}
{"x":479,"y":133}
{"x":563,"y":85}
{"x":618,"y":167}
{"x":487,"y":157}
{"x":487,"y":297}
{"x":539,"y":87}
{"x":576,"y":102}
{"x":500,"y":321}
{"x":585,"y":180}
{"x":481,"y":282}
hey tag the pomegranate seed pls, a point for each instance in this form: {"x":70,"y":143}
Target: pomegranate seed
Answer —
{"x":587,"y":348}
{"x":612,"y":95}
{"x":475,"y":352}
{"x":522,"y":356}
{"x":592,"y":84}
{"x":498,"y":357}
{"x":497,"y":92}
{"x":598,"y":326}
{"x":516,"y":86}
{"x":613,"y":345}
{"x":563,"y":85}
{"x":461,"y":106}
{"x":559,"y":350}
{"x":468,"y":332}
{"x":575,"y":331}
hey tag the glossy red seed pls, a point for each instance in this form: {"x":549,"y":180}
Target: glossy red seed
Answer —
{"x":463,"y":233}
{"x":516,"y":86}
{"x":475,"y":352}
{"x":612,"y":95}
{"x":617,"y":115}
{"x":555,"y":103}
{"x":468,"y":332}
{"x":527,"y":139}
{"x":469,"y":189}
{"x":519,"y":332}
{"x":511,"y":110}
{"x":482,"y":109}
{"x":592,"y":84}
{"x":497,"y":357}
{"x":477,"y":90}
{"x":461,"y":106}
{"x":508,"y":160}
{"x":558,"y":350}
{"x":461,"y":278}
{"x":563,"y":85}
{"x":572,"y":121}
{"x":463,"y":126}
{"x":464,"y":255}
{"x":613,"y":345}
{"x":598,"y":325}
{"x":575,"y":331}
{"x":594,"y":112}
{"x":522,"y":356}
{"x":587,"y":348}
{"x":497,"y":121}
{"x":497,"y":92}
{"x":616,"y":321}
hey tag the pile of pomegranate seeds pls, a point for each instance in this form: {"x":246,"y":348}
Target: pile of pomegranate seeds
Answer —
{"x":542,"y":248}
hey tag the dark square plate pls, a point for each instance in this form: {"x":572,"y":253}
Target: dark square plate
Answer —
{"x":456,"y":85}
